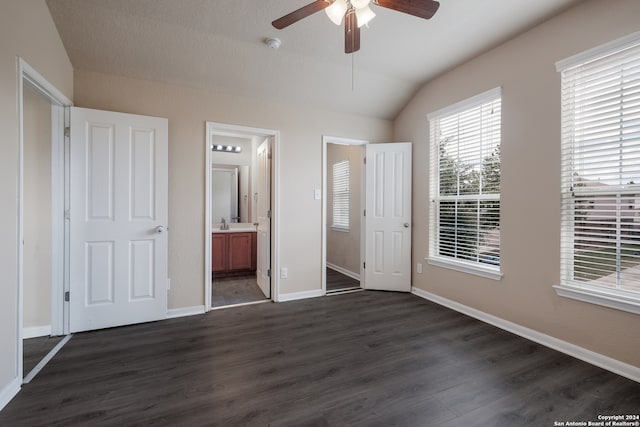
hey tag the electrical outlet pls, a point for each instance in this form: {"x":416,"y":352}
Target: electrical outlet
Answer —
{"x":419,"y":268}
{"x":284,"y":273}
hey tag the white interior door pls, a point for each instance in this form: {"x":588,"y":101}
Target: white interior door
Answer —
{"x":263,"y":200}
{"x":118,"y":218}
{"x":388,"y":217}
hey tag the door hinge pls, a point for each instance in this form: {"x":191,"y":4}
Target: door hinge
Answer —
{"x":364,"y":265}
{"x":67,"y":296}
{"x":365,"y":160}
{"x":268,"y":214}
{"x":269,"y":273}
{"x":67,"y":132}
{"x":364,"y":213}
{"x":67,"y":214}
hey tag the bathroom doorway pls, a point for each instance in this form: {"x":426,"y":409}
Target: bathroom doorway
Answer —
{"x":343,"y":214}
{"x":240,"y":215}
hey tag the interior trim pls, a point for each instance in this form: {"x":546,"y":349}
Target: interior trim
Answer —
{"x":185,"y":311}
{"x":599,"y":298}
{"x":36,"y":331}
{"x":344,"y":271}
{"x":293,"y":296}
{"x":468,"y":268}
{"x":597,"y":359}
{"x":9,"y":392}
{"x":598,"y":51}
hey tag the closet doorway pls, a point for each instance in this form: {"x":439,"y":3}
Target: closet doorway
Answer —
{"x":343,"y":208}
{"x":41,"y":236}
{"x":241,"y":222}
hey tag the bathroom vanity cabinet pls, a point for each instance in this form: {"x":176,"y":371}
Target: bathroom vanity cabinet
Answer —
{"x":233,"y":253}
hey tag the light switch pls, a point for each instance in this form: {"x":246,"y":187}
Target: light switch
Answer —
{"x":317,"y":194}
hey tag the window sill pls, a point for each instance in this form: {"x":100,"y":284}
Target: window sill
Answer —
{"x":603,"y":298}
{"x":466,"y":267}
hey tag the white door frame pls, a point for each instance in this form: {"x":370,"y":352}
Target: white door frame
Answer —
{"x":213,"y":128}
{"x":341,"y":141}
{"x":28,"y":76}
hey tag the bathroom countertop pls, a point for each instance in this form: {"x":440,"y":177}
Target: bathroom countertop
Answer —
{"x":235,"y":228}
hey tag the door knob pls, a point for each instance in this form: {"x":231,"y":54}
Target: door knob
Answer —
{"x":160,"y":229}
{"x":406,"y":225}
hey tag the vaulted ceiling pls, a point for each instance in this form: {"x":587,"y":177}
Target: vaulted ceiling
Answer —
{"x":218,"y":45}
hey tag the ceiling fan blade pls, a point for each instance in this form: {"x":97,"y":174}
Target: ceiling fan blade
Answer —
{"x":351,"y":32}
{"x":420,"y":8}
{"x":299,"y":14}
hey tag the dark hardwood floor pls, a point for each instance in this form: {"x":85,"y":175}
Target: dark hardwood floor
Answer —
{"x":365,"y":358}
{"x":35,"y":349}
{"x":337,"y":281}
{"x":235,"y":290}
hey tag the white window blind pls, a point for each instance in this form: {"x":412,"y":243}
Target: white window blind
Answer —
{"x":341,"y":196}
{"x":601,"y":170}
{"x":465,"y":182}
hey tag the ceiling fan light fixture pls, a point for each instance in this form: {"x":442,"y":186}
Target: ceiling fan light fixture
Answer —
{"x":336,"y":11}
{"x":359,"y":4}
{"x":356,"y":13}
{"x":364,"y":15}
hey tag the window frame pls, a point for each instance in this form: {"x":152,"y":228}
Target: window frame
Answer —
{"x":434,"y":257}
{"x":569,"y":287}
{"x":338,"y":195}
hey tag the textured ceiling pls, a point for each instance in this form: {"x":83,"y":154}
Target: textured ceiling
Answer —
{"x":218,"y":44}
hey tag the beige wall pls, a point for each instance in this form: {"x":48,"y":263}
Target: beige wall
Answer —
{"x":37,"y":210}
{"x":525,"y":68}
{"x":26,"y":30}
{"x":300,"y":167}
{"x":343,"y":248}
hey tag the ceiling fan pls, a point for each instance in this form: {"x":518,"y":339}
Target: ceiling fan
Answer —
{"x":356,"y":13}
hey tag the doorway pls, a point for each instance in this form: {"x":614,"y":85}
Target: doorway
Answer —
{"x":37,"y":247}
{"x":41,"y":235}
{"x":343,"y":210}
{"x":241,"y":215}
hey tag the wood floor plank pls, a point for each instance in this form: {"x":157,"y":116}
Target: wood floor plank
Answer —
{"x":367,"y":358}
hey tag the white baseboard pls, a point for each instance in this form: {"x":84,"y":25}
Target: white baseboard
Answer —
{"x":9,"y":392}
{"x":344,"y":271}
{"x":597,"y":359}
{"x":185,"y":311}
{"x":36,"y":331}
{"x":300,"y":295}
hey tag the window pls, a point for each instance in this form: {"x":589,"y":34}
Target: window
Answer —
{"x":465,"y":185}
{"x":341,"y":196}
{"x":600,"y":228}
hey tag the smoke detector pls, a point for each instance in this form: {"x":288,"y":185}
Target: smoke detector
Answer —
{"x":273,"y":42}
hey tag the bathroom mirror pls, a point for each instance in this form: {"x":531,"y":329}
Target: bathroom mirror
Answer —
{"x":230,"y":193}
